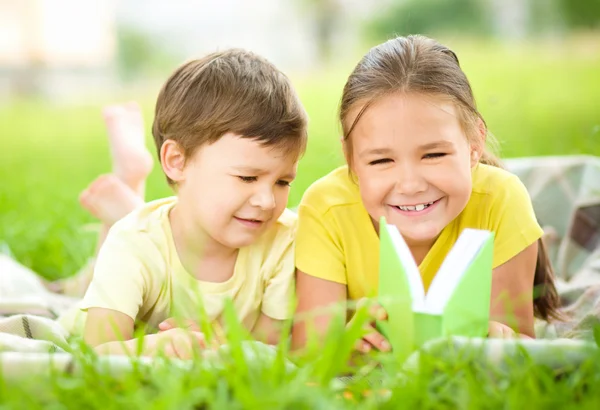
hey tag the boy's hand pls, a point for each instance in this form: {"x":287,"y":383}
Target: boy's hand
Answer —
{"x":192,"y":326}
{"x":173,"y":323}
{"x":178,"y":343}
{"x":373,"y":339}
{"x":501,"y":331}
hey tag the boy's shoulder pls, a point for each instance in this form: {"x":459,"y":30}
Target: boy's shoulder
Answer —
{"x":148,"y":221}
{"x":283,"y":230}
{"x":337,"y":188}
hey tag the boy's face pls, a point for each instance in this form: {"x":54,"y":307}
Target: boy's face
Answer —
{"x":235,"y":188}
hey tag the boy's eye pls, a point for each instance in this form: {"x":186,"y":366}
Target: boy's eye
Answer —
{"x":281,"y":182}
{"x":380,"y":161}
{"x":435,"y":155}
{"x":247,"y":179}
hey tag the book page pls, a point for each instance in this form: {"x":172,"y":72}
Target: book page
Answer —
{"x":454,"y":266}
{"x":412,"y":270}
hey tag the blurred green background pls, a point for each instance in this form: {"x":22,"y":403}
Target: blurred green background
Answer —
{"x":536,"y":80}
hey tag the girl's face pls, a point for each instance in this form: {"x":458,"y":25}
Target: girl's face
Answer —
{"x":413,"y":162}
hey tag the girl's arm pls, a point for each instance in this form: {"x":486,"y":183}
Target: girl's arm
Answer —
{"x":314,"y":294}
{"x":512,"y":291}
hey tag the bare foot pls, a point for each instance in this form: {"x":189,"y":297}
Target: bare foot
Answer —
{"x":109,"y":199}
{"x":131,"y":160}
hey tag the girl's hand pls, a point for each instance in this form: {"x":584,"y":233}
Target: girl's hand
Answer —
{"x":501,"y":331}
{"x":373,"y":339}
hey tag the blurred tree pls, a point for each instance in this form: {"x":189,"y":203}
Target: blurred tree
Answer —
{"x":506,"y":19}
{"x":431,"y":16}
{"x":138,"y":53}
{"x":581,"y":13}
{"x":325,"y":16}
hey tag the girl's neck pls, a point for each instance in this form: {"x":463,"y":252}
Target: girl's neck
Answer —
{"x":419,"y":250}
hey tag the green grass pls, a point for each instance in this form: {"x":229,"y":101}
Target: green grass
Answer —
{"x":538,"y":99}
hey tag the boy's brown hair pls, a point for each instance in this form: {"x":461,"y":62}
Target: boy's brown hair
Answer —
{"x":422,"y":65}
{"x":233,"y":91}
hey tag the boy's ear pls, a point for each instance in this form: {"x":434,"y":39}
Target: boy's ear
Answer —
{"x":172,"y":160}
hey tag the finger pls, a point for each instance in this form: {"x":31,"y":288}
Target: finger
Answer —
{"x":378,"y":312}
{"x":377,"y":340}
{"x":183,"y":346}
{"x":374,"y":309}
{"x":362,"y":346}
{"x":167,"y":324}
{"x":192,"y":326}
{"x":199,"y":338}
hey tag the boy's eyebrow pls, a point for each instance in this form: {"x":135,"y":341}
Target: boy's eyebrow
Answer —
{"x":251,"y":170}
{"x":260,"y":171}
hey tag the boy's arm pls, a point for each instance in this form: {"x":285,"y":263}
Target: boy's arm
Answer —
{"x":267,"y":329}
{"x":117,"y":290}
{"x":107,"y":325}
{"x":278,"y":297}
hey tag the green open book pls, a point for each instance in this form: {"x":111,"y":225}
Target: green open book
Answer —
{"x":457,"y":301}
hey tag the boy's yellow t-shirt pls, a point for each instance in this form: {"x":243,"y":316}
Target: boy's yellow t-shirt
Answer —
{"x":138,"y":273}
{"x":336,"y":239}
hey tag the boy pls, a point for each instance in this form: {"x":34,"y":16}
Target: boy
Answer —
{"x":229,"y":130}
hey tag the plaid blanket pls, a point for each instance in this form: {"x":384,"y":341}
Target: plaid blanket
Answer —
{"x":566,"y":196}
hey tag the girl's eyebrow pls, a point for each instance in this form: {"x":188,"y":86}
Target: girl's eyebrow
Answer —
{"x":375,"y":151}
{"x":436,"y":145}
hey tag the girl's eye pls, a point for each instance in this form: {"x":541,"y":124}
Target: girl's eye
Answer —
{"x":281,"y":182}
{"x":247,"y":179}
{"x":380,"y":161}
{"x":435,"y":155}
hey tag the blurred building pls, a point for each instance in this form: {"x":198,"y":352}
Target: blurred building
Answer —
{"x":49,"y":45}
{"x":57,"y":47}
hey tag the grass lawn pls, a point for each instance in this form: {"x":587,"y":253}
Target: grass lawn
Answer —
{"x":537,"y":99}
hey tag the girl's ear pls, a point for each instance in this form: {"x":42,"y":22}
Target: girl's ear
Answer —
{"x":478,"y":146}
{"x":172,"y":160}
{"x":346,"y":150}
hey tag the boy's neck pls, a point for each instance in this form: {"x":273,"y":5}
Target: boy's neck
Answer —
{"x":195,"y":247}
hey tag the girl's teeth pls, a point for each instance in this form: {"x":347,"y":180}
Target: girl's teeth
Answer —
{"x":417,"y":208}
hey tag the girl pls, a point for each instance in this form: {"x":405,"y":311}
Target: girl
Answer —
{"x":414,"y":144}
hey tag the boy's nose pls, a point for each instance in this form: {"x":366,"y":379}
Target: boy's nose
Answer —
{"x":263,"y":199}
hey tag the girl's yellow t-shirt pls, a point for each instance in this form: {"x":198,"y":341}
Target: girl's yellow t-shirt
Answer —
{"x":336,"y":239}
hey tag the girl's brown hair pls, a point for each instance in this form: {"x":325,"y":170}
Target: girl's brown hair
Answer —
{"x":417,"y":64}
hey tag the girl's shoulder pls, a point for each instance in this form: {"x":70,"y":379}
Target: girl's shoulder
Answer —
{"x":494,"y":181}
{"x":337,"y":188}
{"x":496,"y":194}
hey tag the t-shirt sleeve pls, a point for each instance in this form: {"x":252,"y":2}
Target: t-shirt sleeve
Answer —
{"x":319,"y":251}
{"x":513,"y":221}
{"x":119,"y":280}
{"x":278,"y":296}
